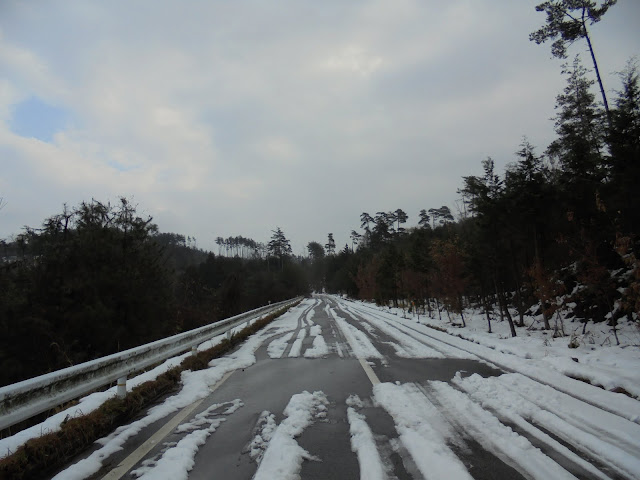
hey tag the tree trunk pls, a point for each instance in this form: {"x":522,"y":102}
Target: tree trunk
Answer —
{"x":595,"y":66}
{"x":486,"y":310}
{"x":545,"y":318}
{"x":520,"y":306}
{"x":520,"y":302}
{"x":503,"y":301}
{"x":495,"y":285}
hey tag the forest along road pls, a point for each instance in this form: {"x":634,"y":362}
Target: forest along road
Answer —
{"x":336,"y":389}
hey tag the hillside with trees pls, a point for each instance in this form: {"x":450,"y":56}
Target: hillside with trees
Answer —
{"x":98,"y":279}
{"x":555,"y":229}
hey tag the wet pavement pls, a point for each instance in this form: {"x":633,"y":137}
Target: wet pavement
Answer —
{"x":269,"y":384}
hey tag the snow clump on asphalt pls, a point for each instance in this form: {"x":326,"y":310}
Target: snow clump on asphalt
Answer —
{"x":265,"y":427}
{"x":178,"y":460}
{"x":284,"y":456}
{"x":363,"y":443}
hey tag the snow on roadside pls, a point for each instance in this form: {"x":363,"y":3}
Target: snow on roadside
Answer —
{"x":297,"y":344}
{"x":497,"y":438}
{"x":391,"y":325}
{"x":363,"y":443}
{"x":608,"y":438}
{"x":362,"y":346}
{"x":596,"y":359}
{"x":178,"y":459}
{"x":617,"y":403}
{"x":195,"y":386}
{"x":422,"y":429}
{"x":85,"y":406}
{"x":284,"y":456}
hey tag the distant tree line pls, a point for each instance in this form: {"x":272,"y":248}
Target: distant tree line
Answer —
{"x":98,"y":278}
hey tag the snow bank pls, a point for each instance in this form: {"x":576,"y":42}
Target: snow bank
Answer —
{"x":538,"y":370}
{"x":497,"y":438}
{"x":409,"y":347}
{"x":596,"y":359}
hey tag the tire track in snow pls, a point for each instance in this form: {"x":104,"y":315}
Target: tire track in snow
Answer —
{"x":442,"y":348}
{"x":607,"y":439}
{"x":409,"y":346}
{"x":423,"y":431}
{"x":616,"y":404}
{"x":483,"y":426}
{"x":363,"y":443}
{"x":357,"y":339}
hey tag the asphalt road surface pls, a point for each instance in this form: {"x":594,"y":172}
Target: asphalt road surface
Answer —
{"x":357,"y":351}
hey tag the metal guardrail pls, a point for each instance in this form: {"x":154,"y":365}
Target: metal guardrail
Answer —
{"x":28,"y":398}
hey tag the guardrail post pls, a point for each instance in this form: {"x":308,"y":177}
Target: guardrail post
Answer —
{"x":194,"y":350}
{"x":229,"y":334}
{"x":121,"y":391}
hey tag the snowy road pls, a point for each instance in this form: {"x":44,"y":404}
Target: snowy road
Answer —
{"x":335,"y":389}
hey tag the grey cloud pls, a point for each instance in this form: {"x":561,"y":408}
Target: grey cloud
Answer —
{"x":233,"y":117}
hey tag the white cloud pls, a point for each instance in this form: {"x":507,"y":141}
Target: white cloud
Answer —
{"x":227,"y":118}
{"x":354,"y":59}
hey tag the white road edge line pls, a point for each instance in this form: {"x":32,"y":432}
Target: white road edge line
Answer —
{"x":137,"y":455}
{"x":369,"y":371}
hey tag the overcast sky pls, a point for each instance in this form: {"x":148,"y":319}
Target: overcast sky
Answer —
{"x":224,"y":118}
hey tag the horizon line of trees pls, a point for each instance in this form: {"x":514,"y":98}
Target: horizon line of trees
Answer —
{"x":98,"y":278}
